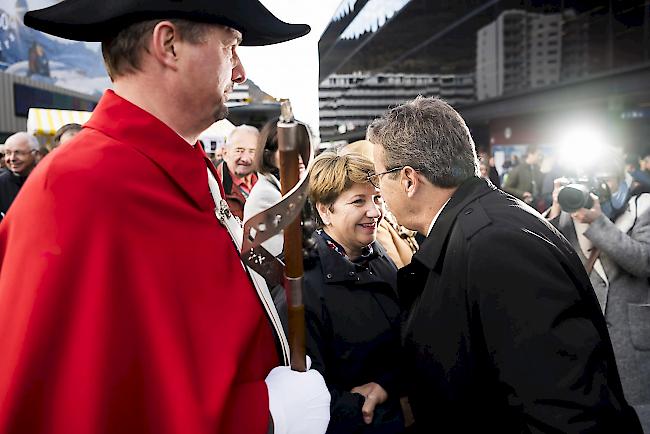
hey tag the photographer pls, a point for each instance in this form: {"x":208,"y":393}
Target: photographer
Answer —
{"x":612,"y":237}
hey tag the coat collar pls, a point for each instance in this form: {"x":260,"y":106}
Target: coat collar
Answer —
{"x":132,"y":126}
{"x":467,"y":192}
{"x":337,"y":268}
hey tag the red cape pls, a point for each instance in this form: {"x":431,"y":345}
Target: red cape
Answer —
{"x":124,"y":307}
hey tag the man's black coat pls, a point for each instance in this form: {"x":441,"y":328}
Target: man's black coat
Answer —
{"x":504,"y":333}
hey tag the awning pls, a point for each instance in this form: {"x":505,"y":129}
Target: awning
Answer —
{"x":47,"y":121}
{"x":215,"y":136}
{"x":220,"y":128}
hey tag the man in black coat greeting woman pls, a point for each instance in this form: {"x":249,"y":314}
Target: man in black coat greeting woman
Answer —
{"x":503,"y":330}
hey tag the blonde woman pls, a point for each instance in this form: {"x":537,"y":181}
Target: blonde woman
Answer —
{"x":350,"y":300}
{"x":399,"y":242}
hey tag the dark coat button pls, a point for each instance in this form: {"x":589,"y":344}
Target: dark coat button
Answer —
{"x":468,"y":211}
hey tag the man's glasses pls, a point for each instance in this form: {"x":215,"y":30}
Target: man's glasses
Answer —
{"x":373,"y":178}
{"x":18,"y":153}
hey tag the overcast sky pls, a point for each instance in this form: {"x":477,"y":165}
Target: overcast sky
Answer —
{"x":290,"y":70}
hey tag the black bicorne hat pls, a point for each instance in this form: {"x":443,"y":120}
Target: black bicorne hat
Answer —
{"x":93,"y":20}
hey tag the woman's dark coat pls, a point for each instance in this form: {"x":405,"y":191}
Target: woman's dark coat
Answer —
{"x":353,"y":335}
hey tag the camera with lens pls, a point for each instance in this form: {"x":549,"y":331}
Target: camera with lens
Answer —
{"x":576,"y":193}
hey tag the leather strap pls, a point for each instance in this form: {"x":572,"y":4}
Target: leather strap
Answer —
{"x":595,"y":252}
{"x":234,"y":228}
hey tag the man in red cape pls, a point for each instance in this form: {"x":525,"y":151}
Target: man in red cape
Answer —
{"x":124,"y":307}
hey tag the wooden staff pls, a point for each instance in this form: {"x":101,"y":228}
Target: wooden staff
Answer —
{"x":289,"y":176}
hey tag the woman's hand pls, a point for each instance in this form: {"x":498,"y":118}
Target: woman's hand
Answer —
{"x":374,"y":395}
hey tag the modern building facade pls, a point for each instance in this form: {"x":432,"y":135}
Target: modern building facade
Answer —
{"x":349,"y":102}
{"x":19,"y":94}
{"x":537,"y":65}
{"x":518,"y":51}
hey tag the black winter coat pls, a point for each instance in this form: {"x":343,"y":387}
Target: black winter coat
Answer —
{"x":504,"y":332}
{"x":353,"y":336}
{"x":10,"y":185}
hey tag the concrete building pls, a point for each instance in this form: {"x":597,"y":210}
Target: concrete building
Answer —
{"x":19,"y":94}
{"x":350,"y":102}
{"x":518,"y":51}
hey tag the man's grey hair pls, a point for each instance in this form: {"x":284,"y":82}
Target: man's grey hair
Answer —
{"x":240,"y":129}
{"x":23,"y":136}
{"x":428,"y":135}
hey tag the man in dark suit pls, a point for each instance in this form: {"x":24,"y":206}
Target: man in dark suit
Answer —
{"x":503,"y":332}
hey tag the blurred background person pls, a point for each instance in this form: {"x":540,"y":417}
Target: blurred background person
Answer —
{"x":41,"y":153}
{"x":267,"y":190}
{"x":65,"y":133}
{"x":635,"y":175}
{"x":351,"y":306}
{"x":612,"y":239}
{"x":553,"y":169}
{"x":399,"y":242}
{"x":484,"y":170}
{"x":644,"y":163}
{"x":218,"y":156}
{"x":20,"y":158}
{"x":3,"y":165}
{"x":236,"y":171}
{"x":525,"y":179}
{"x":492,"y":173}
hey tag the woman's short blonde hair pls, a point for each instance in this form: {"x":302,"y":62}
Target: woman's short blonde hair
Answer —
{"x":332,"y":174}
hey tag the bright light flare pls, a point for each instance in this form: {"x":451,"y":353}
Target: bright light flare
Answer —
{"x":581,"y":147}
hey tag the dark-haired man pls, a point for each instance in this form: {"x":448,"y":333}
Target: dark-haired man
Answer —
{"x":503,"y":331}
{"x":124,"y":306}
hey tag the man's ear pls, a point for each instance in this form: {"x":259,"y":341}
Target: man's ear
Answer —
{"x":323,"y":212}
{"x":164,"y":44}
{"x":410,"y":180}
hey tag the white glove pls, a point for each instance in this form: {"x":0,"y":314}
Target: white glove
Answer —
{"x":299,"y":402}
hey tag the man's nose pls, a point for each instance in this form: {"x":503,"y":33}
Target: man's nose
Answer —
{"x":246,"y":156}
{"x":238,"y":72}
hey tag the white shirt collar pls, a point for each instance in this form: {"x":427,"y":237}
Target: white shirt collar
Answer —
{"x":436,"y":216}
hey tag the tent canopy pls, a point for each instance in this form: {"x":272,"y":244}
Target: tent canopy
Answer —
{"x":46,"y":122}
{"x":215,"y":136}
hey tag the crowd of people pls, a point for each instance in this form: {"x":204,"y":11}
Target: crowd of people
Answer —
{"x":434,"y":301}
{"x":19,"y":155}
{"x":528,"y":182}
